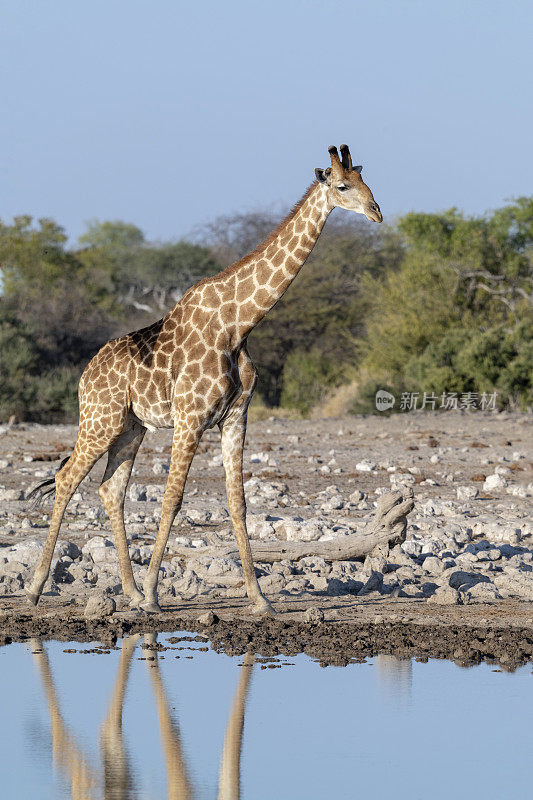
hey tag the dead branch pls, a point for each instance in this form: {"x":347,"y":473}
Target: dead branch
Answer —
{"x":385,"y":530}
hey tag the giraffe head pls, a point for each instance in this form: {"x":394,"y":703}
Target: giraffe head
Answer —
{"x":346,"y":188}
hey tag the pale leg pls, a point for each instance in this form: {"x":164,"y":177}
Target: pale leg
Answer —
{"x":67,"y":481}
{"x":184,"y":446}
{"x":179,"y":783}
{"x":112,"y":491}
{"x":117,"y":769}
{"x":233,"y":435}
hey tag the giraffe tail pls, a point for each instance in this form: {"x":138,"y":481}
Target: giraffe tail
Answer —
{"x":39,"y":492}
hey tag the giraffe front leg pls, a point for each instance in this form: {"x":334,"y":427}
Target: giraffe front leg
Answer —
{"x":233,"y":434}
{"x":184,"y":444}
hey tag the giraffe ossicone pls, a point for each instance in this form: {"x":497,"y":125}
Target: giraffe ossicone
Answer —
{"x":190,"y":371}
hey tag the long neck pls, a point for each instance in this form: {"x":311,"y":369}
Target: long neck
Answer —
{"x":257,"y":282}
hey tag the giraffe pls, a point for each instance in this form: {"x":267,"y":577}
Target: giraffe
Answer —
{"x":191,"y":371}
{"x":116,"y":778}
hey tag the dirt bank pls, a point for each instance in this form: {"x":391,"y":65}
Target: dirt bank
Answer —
{"x":352,"y":628}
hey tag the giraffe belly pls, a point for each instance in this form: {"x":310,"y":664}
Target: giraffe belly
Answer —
{"x":153,"y":418}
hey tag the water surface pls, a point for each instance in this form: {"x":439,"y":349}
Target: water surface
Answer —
{"x":190,"y":723}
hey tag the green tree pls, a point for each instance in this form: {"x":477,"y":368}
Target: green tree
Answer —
{"x":114,"y":236}
{"x":324,"y":310}
{"x":456,"y":315}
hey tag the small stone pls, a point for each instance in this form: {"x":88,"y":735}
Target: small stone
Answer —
{"x":493,"y":482}
{"x":459,"y":579}
{"x":99,"y":606}
{"x":137,"y":493}
{"x":159,"y":468}
{"x":314,"y":615}
{"x":365,"y":466}
{"x":445,"y":596}
{"x":208,"y":619}
{"x":467,"y":492}
{"x":433,"y":565}
{"x":12,"y":494}
{"x":374,"y":583}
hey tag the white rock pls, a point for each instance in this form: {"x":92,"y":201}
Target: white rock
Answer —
{"x":433,"y":565}
{"x":518,"y":491}
{"x":502,"y":470}
{"x":160,"y":468}
{"x":445,"y":596}
{"x":28,"y":552}
{"x":196,"y":516}
{"x":223,"y":566}
{"x":402,"y":479}
{"x":259,"y":458}
{"x":100,"y":550}
{"x":467,"y":492}
{"x":99,"y":606}
{"x":207,"y":619}
{"x":314,"y":615}
{"x":365,"y":466}
{"x":259,"y":528}
{"x":136,"y":492}
{"x":493,"y":482}
{"x":219,"y":515}
{"x":296,"y":531}
{"x":11,"y":495}
{"x":482,"y":593}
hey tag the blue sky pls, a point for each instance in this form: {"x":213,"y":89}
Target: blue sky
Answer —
{"x":168,"y":113}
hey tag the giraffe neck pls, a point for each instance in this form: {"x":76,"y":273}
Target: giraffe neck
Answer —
{"x":259,"y":280}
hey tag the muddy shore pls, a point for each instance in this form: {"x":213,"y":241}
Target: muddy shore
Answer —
{"x":352,"y":629}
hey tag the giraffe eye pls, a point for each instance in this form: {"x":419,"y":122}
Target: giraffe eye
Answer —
{"x":342,"y":188}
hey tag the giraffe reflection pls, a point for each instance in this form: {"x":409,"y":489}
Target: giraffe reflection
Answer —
{"x":395,"y":677}
{"x":114,"y":780}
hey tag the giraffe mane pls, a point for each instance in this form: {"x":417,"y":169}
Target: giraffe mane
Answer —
{"x":268,"y":240}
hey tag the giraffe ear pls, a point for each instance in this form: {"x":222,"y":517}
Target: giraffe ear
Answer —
{"x":358,"y":169}
{"x":320,"y":175}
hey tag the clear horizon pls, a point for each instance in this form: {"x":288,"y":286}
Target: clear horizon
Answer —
{"x":167,"y":116}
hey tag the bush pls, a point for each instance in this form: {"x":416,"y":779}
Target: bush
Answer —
{"x":18,"y":359}
{"x":497,"y":359}
{"x":306,"y":380}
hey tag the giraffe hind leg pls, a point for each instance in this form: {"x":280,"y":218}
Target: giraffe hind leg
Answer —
{"x":67,"y":481}
{"x":112,"y":491}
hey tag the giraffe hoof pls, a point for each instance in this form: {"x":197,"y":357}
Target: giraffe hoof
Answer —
{"x":32,"y":597}
{"x":151,"y":607}
{"x":136,"y":598}
{"x":262,"y":608}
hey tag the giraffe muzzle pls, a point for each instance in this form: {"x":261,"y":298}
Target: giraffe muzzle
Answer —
{"x":373,"y":213}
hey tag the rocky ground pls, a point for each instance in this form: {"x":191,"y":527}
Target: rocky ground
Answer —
{"x":468,"y":554}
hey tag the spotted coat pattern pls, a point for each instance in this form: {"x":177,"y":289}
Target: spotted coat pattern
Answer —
{"x":189,"y":371}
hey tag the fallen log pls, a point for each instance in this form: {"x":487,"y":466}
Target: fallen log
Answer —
{"x":386,"y":529}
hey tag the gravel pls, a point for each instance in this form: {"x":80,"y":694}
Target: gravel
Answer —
{"x":469,"y":540}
